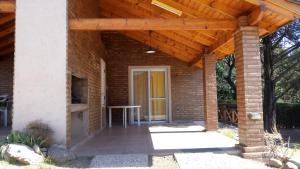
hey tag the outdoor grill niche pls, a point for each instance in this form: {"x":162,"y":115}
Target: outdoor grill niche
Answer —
{"x":79,"y":109}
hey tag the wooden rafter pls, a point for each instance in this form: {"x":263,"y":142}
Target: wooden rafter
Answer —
{"x":195,"y":13}
{"x":213,"y":48}
{"x":7,"y":51}
{"x":7,"y":6}
{"x":7,"y":18}
{"x":151,"y":24}
{"x":282,"y":7}
{"x":7,"y":31}
{"x":143,"y":36}
{"x":136,"y":8}
{"x":7,"y":42}
{"x":189,"y":38}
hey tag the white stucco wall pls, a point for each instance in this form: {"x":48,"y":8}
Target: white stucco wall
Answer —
{"x":41,"y":65}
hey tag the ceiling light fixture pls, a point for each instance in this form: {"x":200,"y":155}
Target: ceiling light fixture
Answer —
{"x":150,"y":49}
{"x":167,"y":7}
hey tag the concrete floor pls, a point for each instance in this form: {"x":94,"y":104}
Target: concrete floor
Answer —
{"x":157,"y":139}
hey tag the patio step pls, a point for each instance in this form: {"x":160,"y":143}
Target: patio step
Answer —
{"x":254,"y":155}
{"x":253,"y":149}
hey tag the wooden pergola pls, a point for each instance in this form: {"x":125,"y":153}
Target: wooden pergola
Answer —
{"x":204,"y":27}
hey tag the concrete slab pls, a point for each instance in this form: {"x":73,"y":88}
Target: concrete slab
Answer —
{"x":120,"y":161}
{"x":155,"y":140}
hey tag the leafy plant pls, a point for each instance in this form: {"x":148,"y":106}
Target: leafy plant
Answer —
{"x":23,"y":138}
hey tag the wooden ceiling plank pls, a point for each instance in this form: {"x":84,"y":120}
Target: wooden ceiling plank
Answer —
{"x":7,"y":6}
{"x":177,"y":37}
{"x":7,"y":31}
{"x":282,"y":7}
{"x":7,"y":18}
{"x":150,"y":24}
{"x":214,"y":48}
{"x":7,"y":51}
{"x":209,"y":6}
{"x":159,"y":45}
{"x":195,"y":13}
{"x":125,"y":8}
{"x":7,"y":42}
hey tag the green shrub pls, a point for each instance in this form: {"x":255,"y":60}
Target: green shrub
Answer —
{"x":41,"y":130}
{"x":23,"y":138}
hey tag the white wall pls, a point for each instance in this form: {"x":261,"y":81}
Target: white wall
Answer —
{"x":41,"y":65}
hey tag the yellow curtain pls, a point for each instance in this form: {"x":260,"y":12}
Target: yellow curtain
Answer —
{"x":158,"y":95}
{"x":140,"y":80}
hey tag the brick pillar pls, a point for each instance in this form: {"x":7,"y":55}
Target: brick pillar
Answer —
{"x":40,"y":90}
{"x":249,"y":89}
{"x":210,"y":93}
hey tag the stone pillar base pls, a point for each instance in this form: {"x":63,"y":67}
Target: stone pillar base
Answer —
{"x":254,"y":153}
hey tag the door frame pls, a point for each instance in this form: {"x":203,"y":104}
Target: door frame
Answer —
{"x":167,"y":69}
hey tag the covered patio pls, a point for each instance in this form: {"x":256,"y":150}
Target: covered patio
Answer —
{"x":73,"y":58}
{"x":163,"y":139}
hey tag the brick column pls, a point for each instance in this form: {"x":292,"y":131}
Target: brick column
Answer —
{"x":210,"y":93}
{"x":249,"y":89}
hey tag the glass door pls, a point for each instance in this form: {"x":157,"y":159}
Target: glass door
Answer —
{"x":149,"y":90}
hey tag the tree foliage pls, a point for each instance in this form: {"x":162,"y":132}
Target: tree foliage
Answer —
{"x":280,"y":57}
{"x":226,"y":80}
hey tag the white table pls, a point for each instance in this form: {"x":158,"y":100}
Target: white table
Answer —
{"x":125,"y":113}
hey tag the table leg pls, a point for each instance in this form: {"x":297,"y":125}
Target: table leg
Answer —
{"x":125,"y":118}
{"x":5,"y":117}
{"x":109,"y":114}
{"x":138,"y":116}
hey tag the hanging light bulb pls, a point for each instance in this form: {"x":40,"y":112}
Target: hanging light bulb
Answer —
{"x":150,"y":49}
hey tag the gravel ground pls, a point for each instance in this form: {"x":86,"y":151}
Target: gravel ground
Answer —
{"x":138,"y":161}
{"x":215,"y":161}
{"x":121,"y":161}
{"x":164,"y":162}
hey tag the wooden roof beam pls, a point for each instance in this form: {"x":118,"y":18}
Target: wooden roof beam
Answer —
{"x":142,"y":10}
{"x":282,"y":7}
{"x":151,"y":24}
{"x":7,"y":6}
{"x":256,"y":15}
{"x":213,"y":48}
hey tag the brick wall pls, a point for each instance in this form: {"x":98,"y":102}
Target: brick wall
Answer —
{"x":186,"y":82}
{"x":6,"y":75}
{"x":84,"y":52}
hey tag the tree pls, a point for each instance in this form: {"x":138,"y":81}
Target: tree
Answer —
{"x":226,"y":80}
{"x":280,"y":58}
